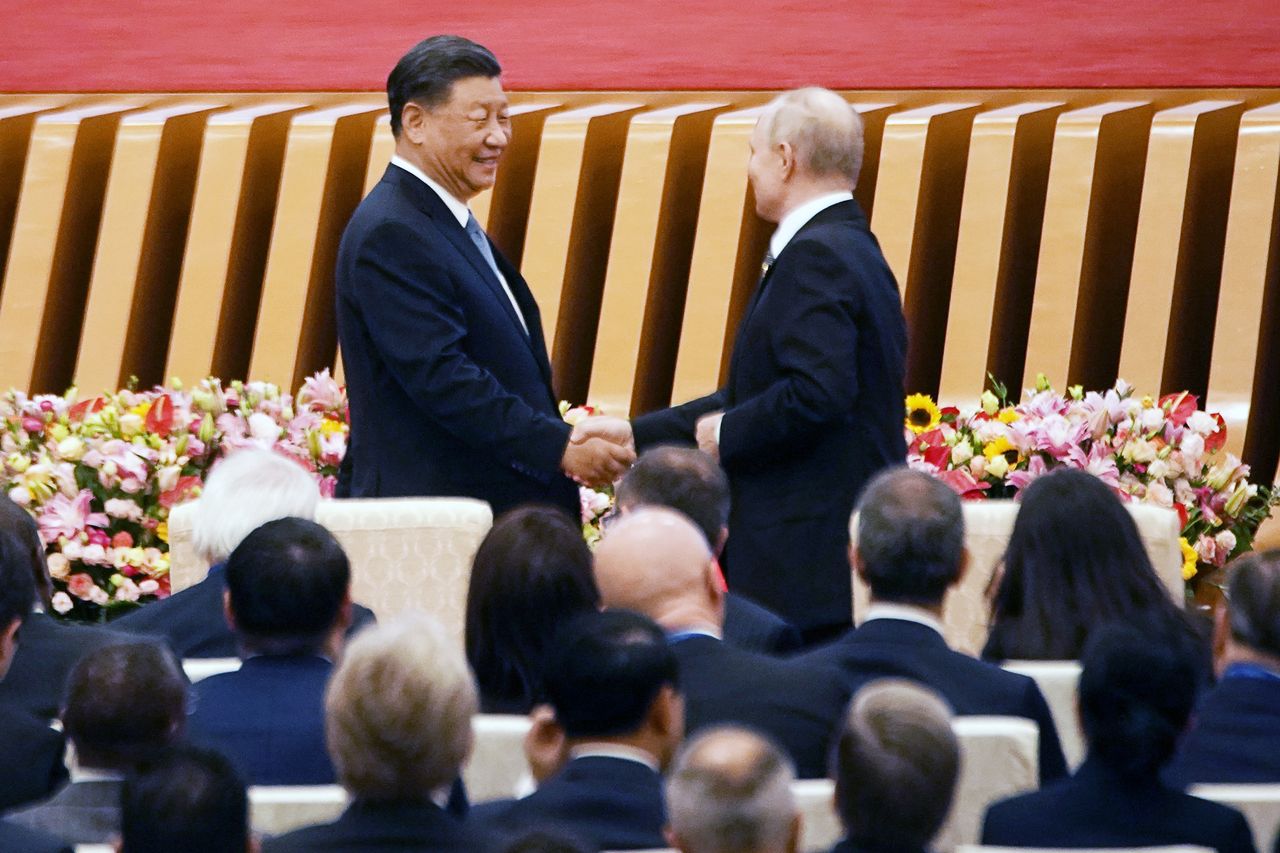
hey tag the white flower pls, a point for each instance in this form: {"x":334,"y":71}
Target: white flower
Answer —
{"x":978,"y":466}
{"x":990,"y":403}
{"x":59,"y":565}
{"x":1203,"y":423}
{"x":127,"y":591}
{"x":1158,"y":470}
{"x":62,"y":602}
{"x":1226,"y":541}
{"x":1151,"y":419}
{"x":94,"y":555}
{"x":1159,"y":494}
{"x":131,"y":424}
{"x":961,"y":453}
{"x":263,"y":428}
{"x":1139,"y":450}
{"x":167,"y":477}
{"x":998,"y":466}
{"x":1192,"y":449}
{"x":120,"y":508}
{"x":20,"y":496}
{"x":72,"y":550}
{"x":99,"y":596}
{"x":71,"y":448}
{"x":149,"y":587}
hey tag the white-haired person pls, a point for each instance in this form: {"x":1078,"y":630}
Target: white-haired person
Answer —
{"x":730,"y":792}
{"x":398,"y":722}
{"x":244,"y":491}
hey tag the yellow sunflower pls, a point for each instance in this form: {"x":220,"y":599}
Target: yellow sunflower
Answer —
{"x":1190,"y":559}
{"x":922,"y":413}
{"x":998,"y":446}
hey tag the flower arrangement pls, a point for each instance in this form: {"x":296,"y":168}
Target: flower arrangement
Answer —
{"x":596,"y":504}
{"x":1166,"y":452}
{"x":99,"y":475}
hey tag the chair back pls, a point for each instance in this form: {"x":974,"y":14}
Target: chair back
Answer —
{"x":274,"y":809}
{"x":498,"y":769}
{"x":198,"y":669}
{"x":1260,"y":805}
{"x":999,"y":757}
{"x":1058,"y":680}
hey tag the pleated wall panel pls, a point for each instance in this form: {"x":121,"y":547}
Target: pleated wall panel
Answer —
{"x":16,"y":123}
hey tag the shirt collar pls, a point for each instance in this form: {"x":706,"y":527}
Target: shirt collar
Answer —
{"x":799,"y":217}
{"x":904,"y":612}
{"x":459,"y":209}
{"x":614,"y":750}
{"x":89,"y":774}
{"x":693,"y":631}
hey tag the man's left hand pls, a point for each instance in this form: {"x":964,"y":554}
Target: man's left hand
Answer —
{"x":708,"y":434}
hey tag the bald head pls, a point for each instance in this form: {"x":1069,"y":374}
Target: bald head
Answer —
{"x":655,"y":561}
{"x":824,"y":131}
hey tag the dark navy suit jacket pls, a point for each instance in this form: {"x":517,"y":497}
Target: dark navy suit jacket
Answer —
{"x":1098,"y":808}
{"x":611,"y":803}
{"x":389,"y":827}
{"x":1235,"y":738}
{"x":449,"y":395}
{"x":749,"y":626}
{"x":884,"y":648}
{"x":19,"y":839}
{"x":31,"y":755}
{"x":813,"y":409}
{"x":268,"y":718}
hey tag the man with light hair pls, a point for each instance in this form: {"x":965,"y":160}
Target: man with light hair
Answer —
{"x":398,"y":722}
{"x":730,"y":792}
{"x":244,"y":491}
{"x":896,"y":765}
{"x":813,"y":404}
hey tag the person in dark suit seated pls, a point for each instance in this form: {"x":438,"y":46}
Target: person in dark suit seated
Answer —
{"x":1135,"y":698}
{"x":730,"y":791}
{"x":125,"y":704}
{"x":531,"y":572}
{"x":612,"y":681}
{"x":1056,"y":585}
{"x":910,"y":551}
{"x":244,"y":491}
{"x":1235,"y":733}
{"x":895,"y":767}
{"x":187,"y":799}
{"x":398,"y":714}
{"x":656,"y":562}
{"x":289,"y":603}
{"x":691,"y":482}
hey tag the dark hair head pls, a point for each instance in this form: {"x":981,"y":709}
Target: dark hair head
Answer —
{"x":124,"y":703}
{"x":1059,"y":585}
{"x":530,"y":574}
{"x":1254,"y":608}
{"x":604,"y":672}
{"x":910,"y":537}
{"x":683,"y":479}
{"x":186,"y":799}
{"x":1135,"y":699}
{"x":426,"y":74}
{"x":288,"y":580}
{"x":17,"y":591}
{"x":26,"y":550}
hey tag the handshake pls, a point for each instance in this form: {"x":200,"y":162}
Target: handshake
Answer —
{"x":600,"y":450}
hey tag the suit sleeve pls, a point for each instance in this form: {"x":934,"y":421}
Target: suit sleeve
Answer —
{"x":816,"y":344}
{"x":675,"y":425}
{"x":412,"y":316}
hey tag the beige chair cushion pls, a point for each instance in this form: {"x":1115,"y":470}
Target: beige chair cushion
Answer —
{"x":497,"y":767}
{"x":1260,"y":805}
{"x":820,"y":828}
{"x":999,"y":757}
{"x":198,"y":669}
{"x":274,"y":809}
{"x":988,"y":525}
{"x":1058,"y":681}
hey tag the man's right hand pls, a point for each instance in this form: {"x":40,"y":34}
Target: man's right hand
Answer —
{"x":596,"y":462}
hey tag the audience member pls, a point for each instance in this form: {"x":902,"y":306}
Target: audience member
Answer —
{"x":1057,"y":585}
{"x":910,"y":551}
{"x":530,"y":574}
{"x":188,"y":800}
{"x":1135,"y":698}
{"x":656,"y":562}
{"x":730,"y":792}
{"x":612,"y":681}
{"x":288,"y":601}
{"x":895,"y":767}
{"x":690,"y":481}
{"x":398,"y":718}
{"x":1235,"y":737}
{"x":125,"y":704}
{"x":244,"y":491}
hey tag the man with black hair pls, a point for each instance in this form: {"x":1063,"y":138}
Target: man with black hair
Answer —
{"x":910,"y":551}
{"x":187,"y":799}
{"x":611,"y":680}
{"x":288,"y":601}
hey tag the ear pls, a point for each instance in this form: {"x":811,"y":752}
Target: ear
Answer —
{"x":1221,"y":633}
{"x":413,"y":119}
{"x":859,"y":564}
{"x":666,"y":714}
{"x":787,"y":155}
{"x":673,"y":840}
{"x":718,"y":546}
{"x":963,"y":568}
{"x":226,"y":609}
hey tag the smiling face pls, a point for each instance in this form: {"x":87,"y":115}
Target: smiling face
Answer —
{"x":459,"y":143}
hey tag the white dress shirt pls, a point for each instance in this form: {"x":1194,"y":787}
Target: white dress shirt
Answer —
{"x":906,"y":613}
{"x":614,"y":750}
{"x":799,"y":217}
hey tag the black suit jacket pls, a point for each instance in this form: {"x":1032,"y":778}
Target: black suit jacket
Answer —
{"x":1097,"y":808}
{"x":31,"y":757}
{"x":749,"y":626}
{"x":813,"y":409}
{"x":611,"y":803}
{"x":1235,"y":738}
{"x":885,"y":648}
{"x":449,"y":395}
{"x":387,"y":827}
{"x":18,"y":839}
{"x":797,"y":705}
{"x":194,"y":622}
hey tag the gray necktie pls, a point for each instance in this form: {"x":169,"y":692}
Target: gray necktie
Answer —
{"x":476,"y":233}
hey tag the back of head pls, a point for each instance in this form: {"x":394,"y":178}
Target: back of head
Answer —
{"x":896,"y":764}
{"x":910,"y":537}
{"x":1135,"y":699}
{"x":124,"y":703}
{"x":604,"y":672}
{"x":730,"y":792}
{"x":187,"y":799}
{"x":398,"y":711}
{"x":1254,"y":609}
{"x":426,"y":74}
{"x":531,"y":572}
{"x":684,"y":479}
{"x":825,"y":131}
{"x":655,"y":561}
{"x":244,"y":491}
{"x":24,"y":551}
{"x":17,"y":588}
{"x":1057,"y":585}
{"x":288,"y":581}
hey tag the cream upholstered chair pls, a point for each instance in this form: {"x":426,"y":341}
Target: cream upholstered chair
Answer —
{"x":406,"y":553}
{"x":820,"y":828}
{"x":198,"y":669}
{"x":1058,"y":681}
{"x":988,"y":525}
{"x":274,"y":809}
{"x":999,"y":757}
{"x":497,"y":768}
{"x":1260,"y":805}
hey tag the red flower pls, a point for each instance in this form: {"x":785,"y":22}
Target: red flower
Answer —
{"x":1179,"y":406}
{"x":1215,"y":441}
{"x":80,"y":585}
{"x":160,"y":415}
{"x":123,"y":539}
